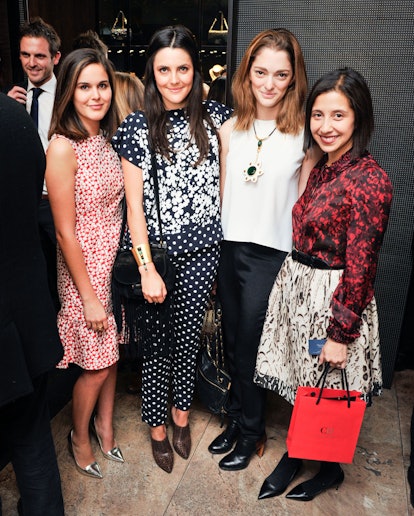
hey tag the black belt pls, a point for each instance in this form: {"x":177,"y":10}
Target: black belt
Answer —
{"x":312,"y":261}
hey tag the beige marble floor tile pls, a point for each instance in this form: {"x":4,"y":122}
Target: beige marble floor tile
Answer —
{"x":375,"y":484}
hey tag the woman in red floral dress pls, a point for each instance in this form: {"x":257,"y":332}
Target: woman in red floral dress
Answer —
{"x":324,"y":292}
{"x":85,"y":185}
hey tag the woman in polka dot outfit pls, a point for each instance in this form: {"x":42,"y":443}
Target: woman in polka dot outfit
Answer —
{"x":183,"y":132}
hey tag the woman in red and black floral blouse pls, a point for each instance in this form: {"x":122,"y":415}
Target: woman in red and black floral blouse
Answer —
{"x":322,"y":307}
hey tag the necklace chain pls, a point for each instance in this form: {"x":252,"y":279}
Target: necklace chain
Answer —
{"x":254,"y":170}
{"x":261,"y":140}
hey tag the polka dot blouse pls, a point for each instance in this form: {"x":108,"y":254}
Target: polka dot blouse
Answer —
{"x":189,"y":195}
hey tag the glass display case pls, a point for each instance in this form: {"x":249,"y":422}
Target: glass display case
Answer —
{"x":126,"y":26}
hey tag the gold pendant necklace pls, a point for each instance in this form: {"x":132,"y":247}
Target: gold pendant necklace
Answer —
{"x":254,"y":170}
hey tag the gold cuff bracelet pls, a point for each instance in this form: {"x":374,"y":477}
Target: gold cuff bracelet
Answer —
{"x":142,"y":254}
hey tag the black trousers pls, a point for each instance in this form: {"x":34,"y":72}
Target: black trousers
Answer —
{"x":25,"y":434}
{"x":48,"y":241}
{"x":412,"y":443}
{"x":245,"y":279}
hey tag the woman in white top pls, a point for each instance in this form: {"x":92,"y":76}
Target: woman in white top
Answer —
{"x":262,"y":154}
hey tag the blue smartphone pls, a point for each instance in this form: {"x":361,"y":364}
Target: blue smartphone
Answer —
{"x":315,"y":346}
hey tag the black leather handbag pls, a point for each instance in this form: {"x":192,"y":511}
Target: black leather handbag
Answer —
{"x":126,"y":279}
{"x":212,"y":379}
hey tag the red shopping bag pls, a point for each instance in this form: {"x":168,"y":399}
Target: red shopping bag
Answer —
{"x":325,"y":423}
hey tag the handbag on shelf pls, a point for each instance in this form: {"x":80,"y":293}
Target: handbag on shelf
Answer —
{"x":126,"y":278}
{"x":119,"y":29}
{"x":325,"y":423}
{"x":212,"y":379}
{"x":218,"y":36}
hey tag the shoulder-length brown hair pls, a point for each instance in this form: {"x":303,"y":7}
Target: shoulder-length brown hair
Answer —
{"x":176,"y":36}
{"x":290,"y":118}
{"x":129,"y":95}
{"x":65,"y":119}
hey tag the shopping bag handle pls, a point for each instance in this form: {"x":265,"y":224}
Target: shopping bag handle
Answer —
{"x":344,"y":380}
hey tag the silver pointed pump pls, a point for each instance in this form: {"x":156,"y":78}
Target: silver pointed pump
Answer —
{"x":114,"y":454}
{"x":92,"y":470}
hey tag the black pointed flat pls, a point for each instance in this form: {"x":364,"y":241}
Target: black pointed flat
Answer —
{"x":307,"y":491}
{"x":278,"y":481}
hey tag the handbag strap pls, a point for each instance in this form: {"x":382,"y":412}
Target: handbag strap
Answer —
{"x":322,"y":380}
{"x":154,"y":175}
{"x":219,"y":333}
{"x":216,"y":351}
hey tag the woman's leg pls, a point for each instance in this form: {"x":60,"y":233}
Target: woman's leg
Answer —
{"x":156,"y":372}
{"x":256,"y":268}
{"x":105,"y":409}
{"x":280,"y":478}
{"x":85,"y":395}
{"x":329,"y":475}
{"x":228,"y":290}
{"x":195,"y":276}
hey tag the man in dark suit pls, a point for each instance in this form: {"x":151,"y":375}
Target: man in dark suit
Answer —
{"x":29,"y":341}
{"x":39,"y":54}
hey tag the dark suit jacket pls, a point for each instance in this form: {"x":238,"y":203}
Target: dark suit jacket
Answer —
{"x":29,"y":341}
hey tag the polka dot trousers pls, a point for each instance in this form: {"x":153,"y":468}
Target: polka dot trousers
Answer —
{"x":196,"y":272}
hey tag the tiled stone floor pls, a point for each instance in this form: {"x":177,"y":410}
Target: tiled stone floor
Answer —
{"x":375,"y":484}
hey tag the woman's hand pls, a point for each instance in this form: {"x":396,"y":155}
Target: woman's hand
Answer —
{"x":335,"y":353}
{"x":153,"y":286}
{"x":95,"y":315}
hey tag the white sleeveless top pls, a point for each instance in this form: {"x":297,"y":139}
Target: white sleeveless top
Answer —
{"x":261,"y":212}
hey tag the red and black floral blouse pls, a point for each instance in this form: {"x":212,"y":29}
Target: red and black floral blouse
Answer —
{"x":341,"y":218}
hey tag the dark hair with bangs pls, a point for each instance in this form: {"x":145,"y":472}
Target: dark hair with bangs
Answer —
{"x":175,"y":36}
{"x":352,"y":84}
{"x":65,"y":119}
{"x":38,"y":28}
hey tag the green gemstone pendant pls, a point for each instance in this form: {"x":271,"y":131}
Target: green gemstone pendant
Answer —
{"x":252,"y":172}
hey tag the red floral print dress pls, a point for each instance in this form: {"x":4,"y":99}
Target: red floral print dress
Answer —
{"x":98,"y":194}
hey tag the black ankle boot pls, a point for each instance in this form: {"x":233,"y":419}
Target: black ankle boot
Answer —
{"x":277,"y":482}
{"x":225,"y":441}
{"x":240,"y":457}
{"x":330,"y":475}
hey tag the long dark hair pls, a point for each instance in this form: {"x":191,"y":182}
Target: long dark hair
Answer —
{"x":65,"y":120}
{"x":352,"y":84}
{"x":176,"y":36}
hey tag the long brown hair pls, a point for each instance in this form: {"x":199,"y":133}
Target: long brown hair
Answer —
{"x":290,"y":117}
{"x":176,"y":36}
{"x":65,"y":119}
{"x":129,"y":95}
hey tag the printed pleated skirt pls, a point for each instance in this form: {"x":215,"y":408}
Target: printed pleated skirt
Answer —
{"x":299,"y":311}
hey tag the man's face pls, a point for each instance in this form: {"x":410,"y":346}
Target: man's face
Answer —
{"x":36,"y":59}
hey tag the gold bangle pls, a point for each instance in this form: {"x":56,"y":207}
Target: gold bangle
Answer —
{"x":142,"y":254}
